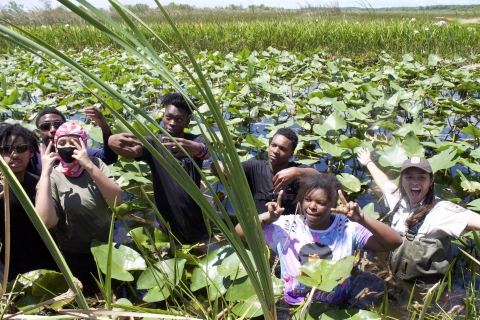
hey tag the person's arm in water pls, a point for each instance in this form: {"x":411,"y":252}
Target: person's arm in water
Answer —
{"x":44,"y":200}
{"x":110,"y":191}
{"x":380,"y":178}
{"x":125,"y":145}
{"x":274,"y":211}
{"x":286,"y":176}
{"x":383,"y":237}
{"x":106,"y":154}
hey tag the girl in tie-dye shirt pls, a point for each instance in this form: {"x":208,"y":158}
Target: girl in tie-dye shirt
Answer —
{"x":317,"y":234}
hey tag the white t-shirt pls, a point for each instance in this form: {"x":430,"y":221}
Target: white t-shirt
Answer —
{"x":445,"y":219}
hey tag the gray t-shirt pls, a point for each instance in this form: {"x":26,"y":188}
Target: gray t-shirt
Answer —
{"x":82,"y":211}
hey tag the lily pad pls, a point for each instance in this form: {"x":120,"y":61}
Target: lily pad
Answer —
{"x":124,"y":259}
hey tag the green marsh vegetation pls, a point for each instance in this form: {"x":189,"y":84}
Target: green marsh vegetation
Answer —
{"x":339,"y":32}
{"x":416,"y":104}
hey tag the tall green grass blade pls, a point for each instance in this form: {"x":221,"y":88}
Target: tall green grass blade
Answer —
{"x":108,"y":275}
{"x":240,"y":197}
{"x":42,"y":230}
{"x":428,"y":301}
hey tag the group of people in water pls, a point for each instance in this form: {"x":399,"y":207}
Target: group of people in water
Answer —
{"x":71,"y":186}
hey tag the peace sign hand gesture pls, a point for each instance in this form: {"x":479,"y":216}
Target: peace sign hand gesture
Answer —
{"x":350,"y":209}
{"x":275,"y":209}
{"x":81,"y":154}
{"x":48,"y":158}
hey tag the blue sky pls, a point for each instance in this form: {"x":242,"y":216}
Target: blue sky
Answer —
{"x":270,"y":3}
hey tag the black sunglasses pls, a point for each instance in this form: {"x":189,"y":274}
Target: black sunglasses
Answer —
{"x":47,"y":125}
{"x":19,"y":148}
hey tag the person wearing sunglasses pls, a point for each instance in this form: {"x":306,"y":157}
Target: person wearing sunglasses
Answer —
{"x":27,"y":251}
{"x":426,"y":222}
{"x":50,"y":119}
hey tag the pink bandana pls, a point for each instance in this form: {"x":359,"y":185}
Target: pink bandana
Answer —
{"x":72,"y":169}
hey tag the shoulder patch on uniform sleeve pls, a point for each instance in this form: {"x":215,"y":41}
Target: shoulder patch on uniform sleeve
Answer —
{"x":455,"y":207}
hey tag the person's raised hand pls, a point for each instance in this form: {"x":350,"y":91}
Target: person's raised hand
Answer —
{"x":191,"y":147}
{"x":96,"y":115}
{"x":363,"y":156}
{"x":81,"y":154}
{"x":274,"y":209}
{"x":48,"y":158}
{"x":283,"y":178}
{"x":350,"y":209}
{"x":125,"y":141}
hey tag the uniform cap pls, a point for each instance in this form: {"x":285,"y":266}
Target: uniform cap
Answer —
{"x":417,"y":162}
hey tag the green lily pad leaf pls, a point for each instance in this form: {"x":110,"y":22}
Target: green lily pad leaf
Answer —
{"x":350,"y":182}
{"x":350,"y":143}
{"x":232,"y":267}
{"x":412,"y":146}
{"x":207,"y":275}
{"x":416,"y":127}
{"x":443,"y":160}
{"x":50,"y":284}
{"x":357,"y":114}
{"x":164,"y":271}
{"x":393,"y":156}
{"x":469,"y":185}
{"x":326,"y":274}
{"x":26,"y":280}
{"x":119,"y":127}
{"x":28,"y":301}
{"x":122,"y":302}
{"x":160,"y":279}
{"x":412,"y":108}
{"x":314,"y":312}
{"x":339,"y":105}
{"x":253,"y":141}
{"x":308,"y":162}
{"x":349,"y":86}
{"x":475,"y":154}
{"x":331,"y":148}
{"x":160,"y":238}
{"x":352,"y":314}
{"x":433,"y":60}
{"x":95,"y":134}
{"x":471,"y":165}
{"x":471,"y":130}
{"x":158,"y":293}
{"x":369,"y":209}
{"x":393,"y":101}
{"x":474,"y":205}
{"x":240,"y":290}
{"x":123,"y":260}
{"x":248,"y":309}
{"x":335,"y":121}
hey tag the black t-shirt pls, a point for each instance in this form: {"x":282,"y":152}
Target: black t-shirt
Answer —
{"x":175,"y":205}
{"x":27,"y":249}
{"x":259,"y":177}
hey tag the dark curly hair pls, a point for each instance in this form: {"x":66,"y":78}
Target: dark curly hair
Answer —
{"x":325,"y":181}
{"x":289,"y":134}
{"x":49,"y":111}
{"x":16,"y":130}
{"x":177,"y":100}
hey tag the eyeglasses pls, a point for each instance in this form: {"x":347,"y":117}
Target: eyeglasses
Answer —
{"x":47,"y":125}
{"x":19,"y":148}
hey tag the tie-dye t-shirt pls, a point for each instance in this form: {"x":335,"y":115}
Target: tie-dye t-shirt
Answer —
{"x":340,"y":240}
